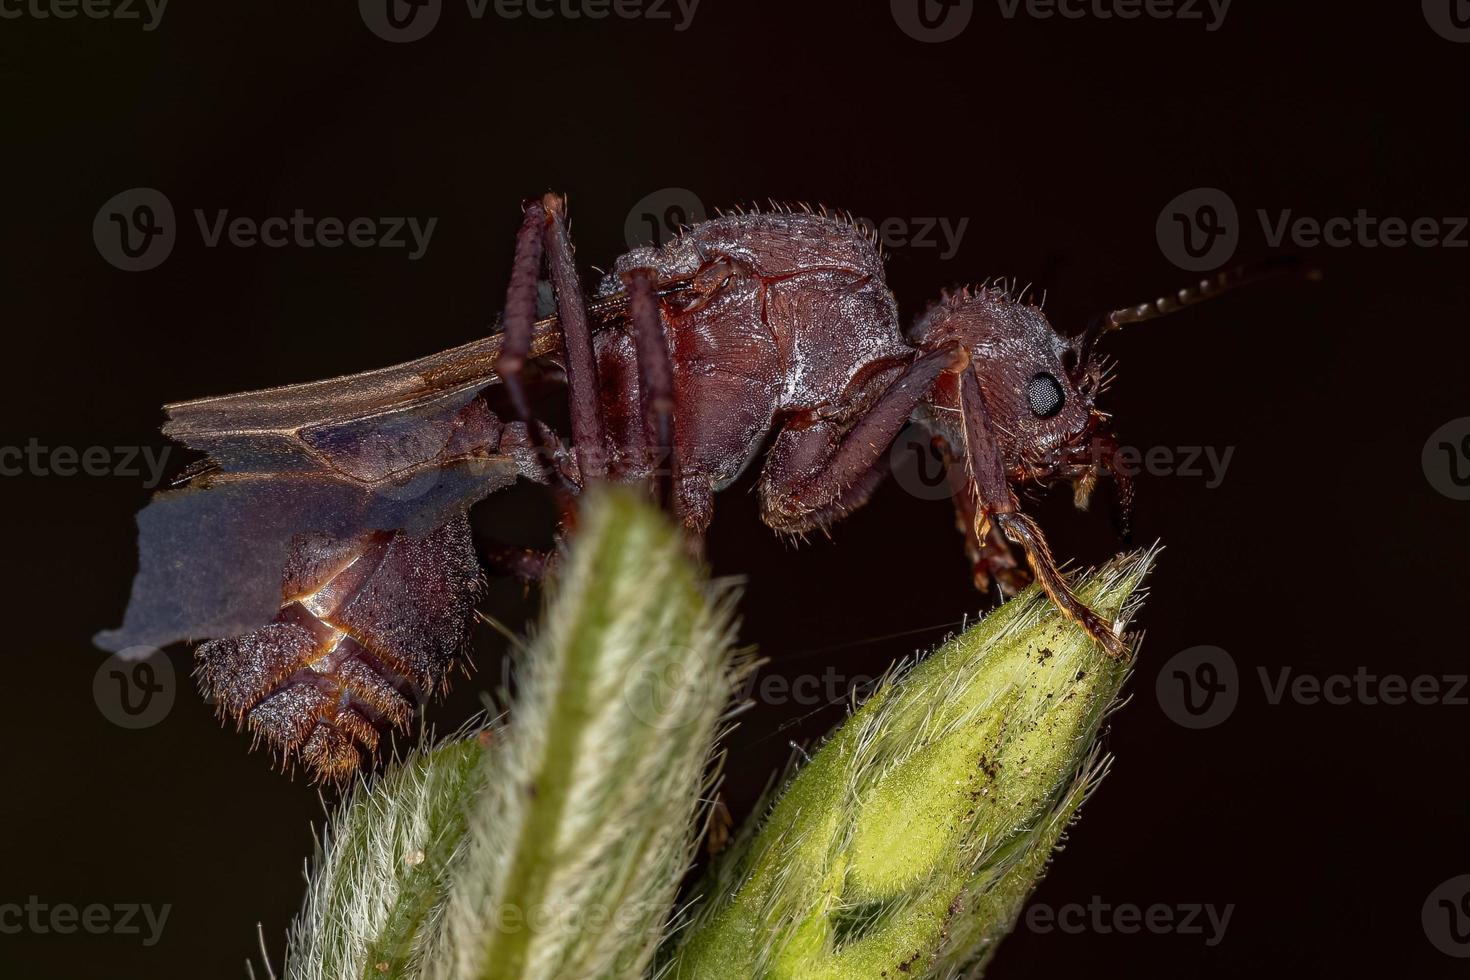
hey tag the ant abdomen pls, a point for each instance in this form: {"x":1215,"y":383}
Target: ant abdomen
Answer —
{"x":367,"y":627}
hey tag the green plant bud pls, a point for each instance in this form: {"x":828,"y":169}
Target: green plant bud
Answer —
{"x":908,"y":844}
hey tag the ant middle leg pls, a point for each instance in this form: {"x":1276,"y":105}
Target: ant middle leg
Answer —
{"x":584,"y":396}
{"x":676,"y":487}
{"x":655,"y":381}
{"x":820,"y":467}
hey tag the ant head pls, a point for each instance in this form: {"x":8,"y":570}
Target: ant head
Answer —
{"x":1037,"y":386}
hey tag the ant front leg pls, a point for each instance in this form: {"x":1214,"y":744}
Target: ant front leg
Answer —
{"x":996,"y":503}
{"x":824,"y":464}
{"x":655,"y":381}
{"x":993,"y":561}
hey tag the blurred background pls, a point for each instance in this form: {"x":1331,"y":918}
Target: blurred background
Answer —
{"x":1305,"y":449}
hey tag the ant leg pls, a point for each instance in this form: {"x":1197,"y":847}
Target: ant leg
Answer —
{"x":995,"y":502}
{"x":655,"y":381}
{"x":1023,"y":530}
{"x":527,"y":564}
{"x":820,"y":467}
{"x":993,"y":563}
{"x":589,"y":439}
{"x":520,"y":310}
{"x":519,"y":322}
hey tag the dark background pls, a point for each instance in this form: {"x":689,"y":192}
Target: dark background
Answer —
{"x":1325,"y":548}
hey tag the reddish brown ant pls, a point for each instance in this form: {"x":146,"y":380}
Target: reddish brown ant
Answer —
{"x":763,"y":328}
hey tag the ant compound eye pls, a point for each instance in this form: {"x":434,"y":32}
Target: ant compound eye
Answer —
{"x":1045,"y":395}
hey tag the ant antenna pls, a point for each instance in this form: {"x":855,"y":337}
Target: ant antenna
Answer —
{"x":1207,"y":288}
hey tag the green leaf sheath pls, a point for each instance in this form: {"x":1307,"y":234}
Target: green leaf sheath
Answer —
{"x":379,"y":877}
{"x":586,"y":823}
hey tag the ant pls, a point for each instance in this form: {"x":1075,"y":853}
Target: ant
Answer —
{"x":751,"y":330}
